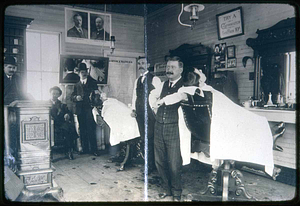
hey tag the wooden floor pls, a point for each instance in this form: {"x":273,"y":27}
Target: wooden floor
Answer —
{"x":92,"y":179}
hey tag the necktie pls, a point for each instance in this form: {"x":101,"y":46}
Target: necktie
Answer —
{"x":80,"y":31}
{"x":171,"y":84}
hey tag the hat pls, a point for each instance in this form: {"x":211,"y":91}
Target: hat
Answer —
{"x":81,"y":67}
{"x":56,"y":88}
{"x":10,"y":60}
{"x":70,"y":64}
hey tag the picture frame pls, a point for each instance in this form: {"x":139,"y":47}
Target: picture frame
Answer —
{"x":231,"y":63}
{"x":230,"y":23}
{"x":96,"y":27}
{"x":97,"y":68}
{"x":231,"y":52}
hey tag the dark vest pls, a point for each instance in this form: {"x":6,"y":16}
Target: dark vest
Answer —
{"x":168,"y":113}
{"x":142,"y":92}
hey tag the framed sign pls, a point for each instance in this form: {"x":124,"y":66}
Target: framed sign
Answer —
{"x":230,"y":23}
{"x":231,"y":63}
{"x":231,"y":52}
{"x":86,"y":27}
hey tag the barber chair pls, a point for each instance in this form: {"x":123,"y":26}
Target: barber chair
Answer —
{"x":197,"y":113}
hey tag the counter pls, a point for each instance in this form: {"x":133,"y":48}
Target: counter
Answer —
{"x":276,"y":114}
{"x":286,"y":158}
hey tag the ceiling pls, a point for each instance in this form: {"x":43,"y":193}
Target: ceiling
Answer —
{"x":130,"y":9}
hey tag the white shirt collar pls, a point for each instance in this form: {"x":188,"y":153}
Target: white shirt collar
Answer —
{"x":83,"y":81}
{"x":175,"y":81}
{"x":9,"y":77}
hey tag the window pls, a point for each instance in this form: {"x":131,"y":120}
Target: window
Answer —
{"x":42,"y":63}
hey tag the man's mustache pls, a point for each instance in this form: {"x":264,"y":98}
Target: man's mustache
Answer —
{"x":169,"y":73}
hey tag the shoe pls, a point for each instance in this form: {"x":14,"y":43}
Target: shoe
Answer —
{"x":163,"y":195}
{"x":122,"y":168}
{"x":177,"y":198}
{"x":95,"y":154}
{"x":70,"y":156}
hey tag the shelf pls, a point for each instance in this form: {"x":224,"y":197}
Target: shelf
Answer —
{"x":228,"y":69}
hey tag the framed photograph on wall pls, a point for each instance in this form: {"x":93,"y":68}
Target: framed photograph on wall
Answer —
{"x":97,"y":68}
{"x":231,"y":52}
{"x":231,"y":63}
{"x":86,"y":27}
{"x":230,"y":23}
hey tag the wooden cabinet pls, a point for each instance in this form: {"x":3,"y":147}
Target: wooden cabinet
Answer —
{"x":195,"y":55}
{"x":15,"y":42}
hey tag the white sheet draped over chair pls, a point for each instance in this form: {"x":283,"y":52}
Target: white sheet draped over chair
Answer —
{"x":117,"y":115}
{"x":236,"y":134}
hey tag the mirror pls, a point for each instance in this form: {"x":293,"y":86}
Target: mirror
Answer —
{"x":278,"y":77}
{"x":275,"y":62}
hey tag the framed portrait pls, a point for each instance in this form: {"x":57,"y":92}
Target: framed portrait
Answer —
{"x":230,"y":23}
{"x":87,"y":27}
{"x":231,"y":63}
{"x":97,"y":68}
{"x":231,"y":52}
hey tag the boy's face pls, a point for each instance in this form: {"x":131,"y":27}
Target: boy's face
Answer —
{"x":54,"y":95}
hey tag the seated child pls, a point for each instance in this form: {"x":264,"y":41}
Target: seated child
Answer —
{"x":64,"y":127}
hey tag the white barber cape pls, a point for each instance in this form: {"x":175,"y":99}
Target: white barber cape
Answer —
{"x":116,"y":114}
{"x":236,"y":133}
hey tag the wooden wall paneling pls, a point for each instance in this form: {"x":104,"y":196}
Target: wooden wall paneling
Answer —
{"x":166,"y":33}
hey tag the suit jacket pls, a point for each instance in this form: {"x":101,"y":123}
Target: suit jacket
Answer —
{"x":12,"y":89}
{"x":84,"y":91}
{"x":99,"y":35}
{"x":73,"y":32}
{"x":58,"y":111}
{"x":71,"y":78}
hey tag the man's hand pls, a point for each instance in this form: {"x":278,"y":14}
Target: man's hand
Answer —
{"x":67,"y":117}
{"x":158,"y":103}
{"x":79,"y":98}
{"x":133,"y":113}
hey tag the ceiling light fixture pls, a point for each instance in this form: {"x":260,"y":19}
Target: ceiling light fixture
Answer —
{"x":193,"y":8}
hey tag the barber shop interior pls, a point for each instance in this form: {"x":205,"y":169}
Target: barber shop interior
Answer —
{"x":91,"y":93}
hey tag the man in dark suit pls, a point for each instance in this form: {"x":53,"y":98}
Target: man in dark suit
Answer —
{"x":99,"y":32}
{"x":77,"y":30}
{"x":64,"y":128}
{"x":83,"y":110}
{"x":12,"y":82}
{"x":142,"y":88}
{"x":168,"y":158}
{"x":71,"y":77}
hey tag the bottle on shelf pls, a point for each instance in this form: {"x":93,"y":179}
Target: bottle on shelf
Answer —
{"x":270,"y":103}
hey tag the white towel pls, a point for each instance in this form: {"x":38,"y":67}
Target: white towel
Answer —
{"x":117,"y":115}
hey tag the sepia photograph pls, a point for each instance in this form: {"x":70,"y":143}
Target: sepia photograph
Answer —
{"x":143,"y":103}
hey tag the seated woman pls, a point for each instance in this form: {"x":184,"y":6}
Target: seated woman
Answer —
{"x":64,"y":127}
{"x":235,"y":133}
{"x":123,"y":127}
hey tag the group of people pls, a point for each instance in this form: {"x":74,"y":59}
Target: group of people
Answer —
{"x":78,"y":31}
{"x":155,"y":107}
{"x":158,"y":129}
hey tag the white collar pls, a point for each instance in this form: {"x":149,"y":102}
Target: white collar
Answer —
{"x":175,"y":81}
{"x":146,"y":72}
{"x":9,"y":77}
{"x":83,"y":81}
